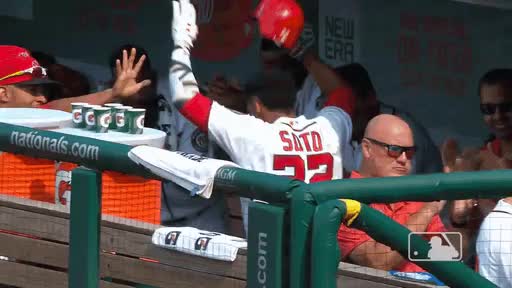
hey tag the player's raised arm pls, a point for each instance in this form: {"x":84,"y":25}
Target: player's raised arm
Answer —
{"x":338,"y":91}
{"x":285,"y":17}
{"x":184,"y":32}
{"x":184,"y":89}
{"x":282,"y":21}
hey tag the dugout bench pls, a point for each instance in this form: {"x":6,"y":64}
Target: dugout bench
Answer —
{"x":38,"y":255}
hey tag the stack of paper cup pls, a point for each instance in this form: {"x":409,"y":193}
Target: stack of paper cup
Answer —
{"x":111,"y":116}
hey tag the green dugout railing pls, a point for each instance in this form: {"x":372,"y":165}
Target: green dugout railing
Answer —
{"x":325,"y":252}
{"x":292,"y":238}
{"x":96,"y":155}
{"x":452,"y":186}
{"x":91,"y":153}
{"x":421,"y":188}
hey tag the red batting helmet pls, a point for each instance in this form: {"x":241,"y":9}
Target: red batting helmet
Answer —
{"x":281,"y":21}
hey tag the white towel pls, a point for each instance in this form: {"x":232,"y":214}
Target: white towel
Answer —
{"x":198,"y":242}
{"x":192,"y":172}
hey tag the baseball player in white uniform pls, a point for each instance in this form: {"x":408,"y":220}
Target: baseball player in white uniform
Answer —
{"x":271,"y":139}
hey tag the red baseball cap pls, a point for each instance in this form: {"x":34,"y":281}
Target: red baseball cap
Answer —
{"x":18,"y":67}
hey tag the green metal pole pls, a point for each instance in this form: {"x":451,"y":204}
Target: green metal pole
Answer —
{"x":84,"y":231}
{"x":388,"y":232}
{"x":302,"y":209}
{"x":421,"y":188}
{"x":325,"y":252}
{"x":257,"y":185}
{"x":266,"y":238}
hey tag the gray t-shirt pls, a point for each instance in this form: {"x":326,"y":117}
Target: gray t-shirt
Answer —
{"x":179,"y":208}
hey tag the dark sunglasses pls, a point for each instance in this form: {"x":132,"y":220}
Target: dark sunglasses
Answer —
{"x":36,"y":71}
{"x":395,"y":151}
{"x":489,"y":108}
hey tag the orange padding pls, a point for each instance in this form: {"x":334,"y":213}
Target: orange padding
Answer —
{"x":131,"y":197}
{"x":27,"y":177}
{"x":123,"y":195}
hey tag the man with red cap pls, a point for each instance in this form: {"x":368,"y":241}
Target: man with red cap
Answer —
{"x":23,"y":81}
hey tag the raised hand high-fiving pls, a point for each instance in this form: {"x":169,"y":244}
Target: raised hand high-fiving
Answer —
{"x":184,"y":28}
{"x":127,"y":70}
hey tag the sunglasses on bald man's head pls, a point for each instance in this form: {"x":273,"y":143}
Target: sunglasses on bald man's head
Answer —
{"x":490,"y":108}
{"x":395,"y":151}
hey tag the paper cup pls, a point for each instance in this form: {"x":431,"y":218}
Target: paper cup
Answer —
{"x":135,"y":120}
{"x":112,"y":106}
{"x":119,"y":118}
{"x":88,"y":114}
{"x":76,"y":114}
{"x":102,"y":117}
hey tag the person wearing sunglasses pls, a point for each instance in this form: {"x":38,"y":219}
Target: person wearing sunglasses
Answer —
{"x":492,"y":246}
{"x":495,"y":92}
{"x":400,"y":154}
{"x":387,"y":150}
{"x":495,"y":89}
{"x":23,"y":81}
{"x":20,"y":86}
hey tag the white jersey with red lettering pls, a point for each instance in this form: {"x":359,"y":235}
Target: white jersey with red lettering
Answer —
{"x":304,"y":149}
{"x":301,"y":148}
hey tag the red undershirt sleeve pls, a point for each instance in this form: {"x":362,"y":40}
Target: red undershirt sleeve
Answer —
{"x":342,"y":97}
{"x":197,"y":110}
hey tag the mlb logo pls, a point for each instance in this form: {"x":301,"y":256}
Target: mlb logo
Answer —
{"x":444,"y":246}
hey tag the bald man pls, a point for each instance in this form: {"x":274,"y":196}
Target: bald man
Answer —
{"x":387,"y":150}
{"x":387,"y":147}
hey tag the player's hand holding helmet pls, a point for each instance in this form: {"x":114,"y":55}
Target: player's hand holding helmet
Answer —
{"x":184,"y":28}
{"x":281,"y":21}
{"x":305,"y":42}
